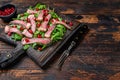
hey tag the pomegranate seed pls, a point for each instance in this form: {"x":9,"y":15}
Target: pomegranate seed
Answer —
{"x":44,"y":11}
{"x":28,"y":20}
{"x":7,"y":11}
{"x":33,"y":13}
{"x":63,"y":20}
{"x":48,"y":26}
{"x":14,"y":26}
{"x":39,"y":36}
{"x":38,"y":25}
{"x":37,"y":9}
{"x":21,"y":28}
{"x":9,"y":33}
{"x":12,"y":9}
{"x":39,"y":48}
{"x":70,"y":23}
{"x":45,"y":14}
{"x":27,"y":40}
{"x":35,"y":19}
{"x":30,"y":31}
{"x":46,"y":19}
{"x":52,"y":20}
{"x":57,"y":19}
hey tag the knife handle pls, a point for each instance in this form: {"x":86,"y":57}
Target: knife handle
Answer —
{"x":7,"y":58}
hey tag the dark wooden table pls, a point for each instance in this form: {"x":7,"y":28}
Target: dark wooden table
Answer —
{"x":98,"y":55}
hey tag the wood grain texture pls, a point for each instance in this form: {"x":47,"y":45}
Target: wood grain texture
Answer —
{"x":96,"y":58}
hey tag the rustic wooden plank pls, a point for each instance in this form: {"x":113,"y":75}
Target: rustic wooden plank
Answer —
{"x":21,"y":74}
{"x":85,"y":6}
{"x":96,"y":58}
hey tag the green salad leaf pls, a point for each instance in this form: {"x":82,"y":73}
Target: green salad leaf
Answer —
{"x":22,"y":16}
{"x":16,"y":37}
{"x":30,"y":7}
{"x":39,"y":32}
{"x":26,"y":14}
{"x":54,"y":15}
{"x":19,"y":15}
{"x":36,"y":33}
{"x":18,"y":27}
{"x":40,"y":6}
{"x":36,"y":15}
{"x":58,"y":33}
{"x":34,"y":44}
{"x":42,"y":33}
{"x":44,"y":46}
{"x":25,"y":47}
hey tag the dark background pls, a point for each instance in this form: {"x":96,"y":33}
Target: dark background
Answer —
{"x":98,"y":55}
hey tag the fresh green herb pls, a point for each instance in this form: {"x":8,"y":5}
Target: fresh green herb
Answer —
{"x":16,"y":37}
{"x":34,"y":44}
{"x":19,"y":15}
{"x":26,"y":46}
{"x":30,"y":7}
{"x":58,"y":33}
{"x":36,"y":15}
{"x":18,"y":27}
{"x":26,"y":14}
{"x":40,"y":6}
{"x":54,"y":15}
{"x":39,"y":32}
{"x":42,"y":33}
{"x":36,"y":33}
{"x":60,"y":19}
{"x":44,"y":46}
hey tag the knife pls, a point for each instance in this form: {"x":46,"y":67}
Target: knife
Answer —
{"x":7,"y":58}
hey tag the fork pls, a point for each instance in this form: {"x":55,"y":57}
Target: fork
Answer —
{"x":64,"y":55}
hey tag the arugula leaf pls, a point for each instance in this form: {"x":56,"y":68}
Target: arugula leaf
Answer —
{"x":30,"y":7}
{"x":44,"y":46}
{"x":18,"y":27}
{"x":36,"y":15}
{"x":16,"y":37}
{"x":58,"y":33}
{"x":34,"y":44}
{"x":26,"y":14}
{"x":18,"y":17}
{"x":60,"y":19}
{"x":54,"y":15}
{"x":26,"y":46}
{"x":40,"y":6}
{"x":39,"y":32}
{"x":42,"y":33}
{"x":36,"y":33}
